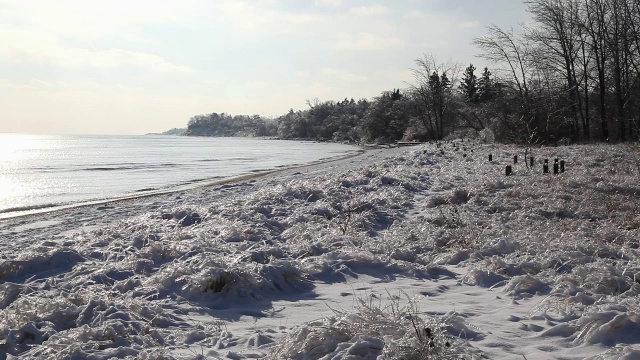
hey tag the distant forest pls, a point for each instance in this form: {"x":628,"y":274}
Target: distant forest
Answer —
{"x":573,"y":75}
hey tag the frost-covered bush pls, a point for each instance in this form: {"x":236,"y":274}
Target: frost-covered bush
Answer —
{"x":373,"y":330}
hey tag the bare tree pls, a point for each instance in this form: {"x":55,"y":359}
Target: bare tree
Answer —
{"x":596,"y":24}
{"x":434,"y":89}
{"x":515,"y":54}
{"x":503,"y":47}
{"x":632,"y":16}
{"x":619,"y":40}
{"x":557,"y":39}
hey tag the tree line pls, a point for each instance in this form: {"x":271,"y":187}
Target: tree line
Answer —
{"x":572,"y":75}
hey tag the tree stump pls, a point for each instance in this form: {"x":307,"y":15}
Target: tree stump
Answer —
{"x":555,"y":169}
{"x":531,"y":161}
{"x":490,"y":157}
{"x":562,"y":166}
{"x":515,"y":159}
{"x":545,"y":168}
{"x":507,"y":170}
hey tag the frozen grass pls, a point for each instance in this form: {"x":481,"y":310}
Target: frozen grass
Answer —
{"x":388,"y":328}
{"x":130,"y":287}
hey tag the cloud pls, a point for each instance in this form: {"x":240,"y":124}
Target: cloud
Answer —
{"x":415,"y":14}
{"x":256,"y":18}
{"x":329,"y":3}
{"x":370,"y":10}
{"x":118,"y":57}
{"x":67,"y":106}
{"x":367,"y":41}
{"x":343,"y":75}
{"x":257,"y":84}
{"x":34,"y":48}
{"x":290,"y":50}
{"x":53,"y":33}
{"x":95,"y":19}
{"x":469,"y":24}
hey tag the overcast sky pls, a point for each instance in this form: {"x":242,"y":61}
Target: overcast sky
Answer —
{"x":138,"y":66}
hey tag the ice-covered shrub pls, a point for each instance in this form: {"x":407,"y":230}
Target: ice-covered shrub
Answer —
{"x":39,"y":264}
{"x":436,"y":200}
{"x":526,"y":285}
{"x":486,"y":136}
{"x":483,"y":278}
{"x":460,"y":196}
{"x":609,"y":325}
{"x":375,"y":330}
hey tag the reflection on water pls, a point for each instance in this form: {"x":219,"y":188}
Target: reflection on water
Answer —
{"x":44,"y":170}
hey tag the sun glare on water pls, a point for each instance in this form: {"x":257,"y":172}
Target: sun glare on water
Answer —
{"x":13,"y":150}
{"x":12,"y":147}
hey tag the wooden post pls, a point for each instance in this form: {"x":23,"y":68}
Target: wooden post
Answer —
{"x":555,"y":161}
{"x":555,"y":169}
{"x":545,"y":168}
{"x":515,"y":159}
{"x":531,"y":162}
{"x":562,"y":166}
{"x":490,"y":157}
{"x":507,"y":170}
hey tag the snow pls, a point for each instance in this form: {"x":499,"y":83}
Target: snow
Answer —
{"x":410,"y":253}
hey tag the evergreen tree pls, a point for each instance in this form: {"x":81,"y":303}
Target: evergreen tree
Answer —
{"x":434,"y":84}
{"x":445,"y":83}
{"x":486,"y":88}
{"x":395,"y":95}
{"x":469,"y":85}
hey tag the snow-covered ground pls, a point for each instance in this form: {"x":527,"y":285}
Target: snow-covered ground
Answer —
{"x":412,"y":253}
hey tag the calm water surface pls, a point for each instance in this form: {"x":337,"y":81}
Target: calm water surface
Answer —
{"x":43,"y":171}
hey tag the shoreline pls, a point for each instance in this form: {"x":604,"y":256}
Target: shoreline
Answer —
{"x":8,"y":214}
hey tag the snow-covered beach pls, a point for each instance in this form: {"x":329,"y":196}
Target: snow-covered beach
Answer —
{"x":413,"y":253}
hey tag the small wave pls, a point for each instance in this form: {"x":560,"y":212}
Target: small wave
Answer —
{"x":131,"y":167}
{"x":44,"y":168}
{"x":229,"y":159}
{"x":147,"y":189}
{"x":28,"y":208}
{"x":194,"y":181}
{"x":108,"y":168}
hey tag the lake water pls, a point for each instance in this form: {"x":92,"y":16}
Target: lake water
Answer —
{"x":46,"y":171}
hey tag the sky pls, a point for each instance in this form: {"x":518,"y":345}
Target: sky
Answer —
{"x":140,"y":66}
